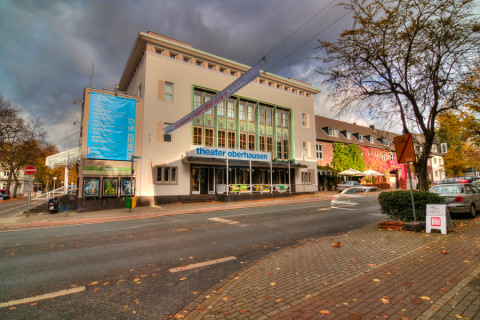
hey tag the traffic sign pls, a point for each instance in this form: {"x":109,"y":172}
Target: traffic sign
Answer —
{"x":404,"y":148}
{"x":29,"y":170}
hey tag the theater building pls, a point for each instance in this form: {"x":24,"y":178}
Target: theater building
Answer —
{"x":260,"y":140}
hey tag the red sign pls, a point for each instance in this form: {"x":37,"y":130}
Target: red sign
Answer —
{"x":404,"y":148}
{"x":29,"y":170}
{"x":436,"y":221}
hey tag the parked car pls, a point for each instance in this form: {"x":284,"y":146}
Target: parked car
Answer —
{"x":351,"y":196}
{"x":348,"y":184}
{"x":459,"y":197}
{"x":476,"y":183}
{"x":4,"y":195}
{"x":453,"y":180}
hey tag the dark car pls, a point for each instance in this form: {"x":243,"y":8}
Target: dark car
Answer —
{"x":459,"y":197}
{"x":4,"y":195}
{"x":348,"y":184}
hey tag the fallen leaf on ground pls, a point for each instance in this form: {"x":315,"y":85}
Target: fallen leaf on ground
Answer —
{"x":443,"y":251}
{"x":376,"y":280}
{"x":273,"y":284}
{"x":278,"y":300}
{"x":458,"y":316}
{"x":93,"y":283}
{"x":385,"y":300}
{"x":425,"y":298}
{"x":337,"y":244}
{"x":325,"y":312}
{"x":183,"y":278}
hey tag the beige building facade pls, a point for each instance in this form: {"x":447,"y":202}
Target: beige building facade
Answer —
{"x":260,"y":140}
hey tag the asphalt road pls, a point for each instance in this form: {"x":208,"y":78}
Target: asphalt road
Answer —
{"x":122,"y":269}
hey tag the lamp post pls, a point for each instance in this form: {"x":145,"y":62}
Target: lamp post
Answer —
{"x":54,"y":179}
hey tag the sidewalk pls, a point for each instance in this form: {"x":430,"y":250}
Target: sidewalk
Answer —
{"x":364,"y":274}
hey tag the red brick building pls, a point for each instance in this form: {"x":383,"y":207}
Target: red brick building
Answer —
{"x":377,"y":146}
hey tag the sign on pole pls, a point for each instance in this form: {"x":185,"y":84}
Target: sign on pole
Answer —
{"x":29,"y":170}
{"x":404,"y":148}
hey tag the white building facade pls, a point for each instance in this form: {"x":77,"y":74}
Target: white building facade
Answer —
{"x":260,"y":140}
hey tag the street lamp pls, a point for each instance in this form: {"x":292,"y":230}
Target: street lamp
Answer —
{"x":54,"y":179}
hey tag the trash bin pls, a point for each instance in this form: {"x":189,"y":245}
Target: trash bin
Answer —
{"x":128,"y":202}
{"x":134,"y":202}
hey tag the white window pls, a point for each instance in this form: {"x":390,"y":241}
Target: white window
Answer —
{"x":166,"y":175}
{"x":383,"y":156}
{"x":319,"y":151}
{"x":443,"y":147}
{"x":392,"y":156}
{"x":376,"y":154}
{"x":168,"y":91}
{"x":306,"y":178}
{"x":306,"y":149}
{"x":360,"y":137}
{"x":348,"y":135}
{"x":304,"y":120}
{"x":434,"y":148}
{"x":333,"y":132}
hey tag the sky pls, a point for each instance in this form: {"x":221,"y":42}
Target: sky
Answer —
{"x":47,"y":47}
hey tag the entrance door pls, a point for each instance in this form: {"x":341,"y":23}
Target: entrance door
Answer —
{"x":206,"y":180}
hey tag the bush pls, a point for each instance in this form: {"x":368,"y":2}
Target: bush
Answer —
{"x":398,"y":204}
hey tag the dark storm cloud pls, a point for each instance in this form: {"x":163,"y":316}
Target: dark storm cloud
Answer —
{"x":47,"y":47}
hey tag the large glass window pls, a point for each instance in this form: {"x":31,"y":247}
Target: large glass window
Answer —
{"x":197,"y":136}
{"x":261,"y":115}
{"x":231,"y":140}
{"x":251,"y":142}
{"x":243,"y":141}
{"x":221,"y":110}
{"x":278,"y":118}
{"x":251,"y":112}
{"x":270,"y":144}
{"x":231,"y":109}
{"x":285,"y":149}
{"x":221,"y":139}
{"x":241,"y":111}
{"x":285,"y":119}
{"x":208,"y":97}
{"x":209,"y":139}
{"x":262,"y":144}
{"x":268,"y":116}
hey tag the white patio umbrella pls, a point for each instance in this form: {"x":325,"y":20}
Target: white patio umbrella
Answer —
{"x":372,"y":173}
{"x":351,"y":172}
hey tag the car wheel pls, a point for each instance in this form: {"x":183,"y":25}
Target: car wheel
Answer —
{"x":472,"y":211}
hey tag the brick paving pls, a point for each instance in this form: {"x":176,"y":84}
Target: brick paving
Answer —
{"x":365,"y":274}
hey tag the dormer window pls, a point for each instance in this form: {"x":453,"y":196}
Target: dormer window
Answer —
{"x":333,"y":132}
{"x":434,"y":148}
{"x":347,"y":134}
{"x":385,"y":142}
{"x":360,"y":137}
{"x":369,"y":138}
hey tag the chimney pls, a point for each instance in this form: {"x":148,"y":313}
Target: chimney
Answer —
{"x":372,"y":127}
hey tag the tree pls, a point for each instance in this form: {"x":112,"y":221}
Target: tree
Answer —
{"x":20,"y":141}
{"x":346,"y":156}
{"x":400,"y":61}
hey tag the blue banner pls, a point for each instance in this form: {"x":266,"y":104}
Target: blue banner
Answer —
{"x":111,"y":127}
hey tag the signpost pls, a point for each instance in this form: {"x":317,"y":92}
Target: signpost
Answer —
{"x":29,"y":170}
{"x":405,"y":154}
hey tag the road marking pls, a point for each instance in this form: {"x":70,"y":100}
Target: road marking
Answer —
{"x":231,"y":222}
{"x":201,"y":264}
{"x":342,"y":208}
{"x":50,"y":295}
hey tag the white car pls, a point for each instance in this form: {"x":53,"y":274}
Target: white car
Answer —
{"x":351,"y":196}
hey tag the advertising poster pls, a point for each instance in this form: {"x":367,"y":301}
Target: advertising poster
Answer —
{"x":91,"y":187}
{"x":110,"y":187}
{"x":111,"y":127}
{"x":126,"y":188}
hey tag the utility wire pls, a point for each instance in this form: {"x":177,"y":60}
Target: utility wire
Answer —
{"x":299,"y":28}
{"x":306,"y":42}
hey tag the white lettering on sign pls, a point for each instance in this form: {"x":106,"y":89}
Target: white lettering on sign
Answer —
{"x":231,"y":154}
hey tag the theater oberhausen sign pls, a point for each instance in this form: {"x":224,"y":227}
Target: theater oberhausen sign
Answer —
{"x":231,"y":154}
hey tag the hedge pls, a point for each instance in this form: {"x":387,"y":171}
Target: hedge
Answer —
{"x":398,"y":204}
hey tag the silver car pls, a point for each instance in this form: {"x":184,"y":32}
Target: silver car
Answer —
{"x":459,"y":197}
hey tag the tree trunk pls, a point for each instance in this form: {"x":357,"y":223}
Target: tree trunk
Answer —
{"x":15,"y":188}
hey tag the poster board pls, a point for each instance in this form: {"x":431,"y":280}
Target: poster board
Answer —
{"x":438,"y":218}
